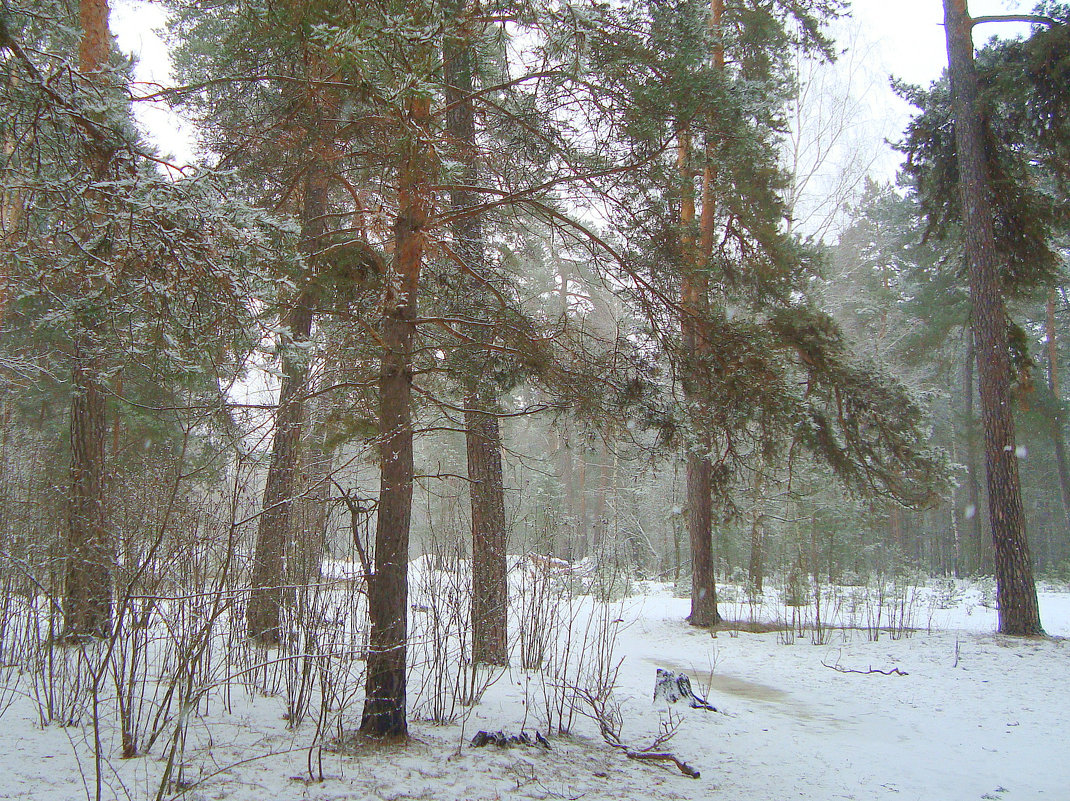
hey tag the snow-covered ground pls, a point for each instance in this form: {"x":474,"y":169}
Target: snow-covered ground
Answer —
{"x":962,"y":714}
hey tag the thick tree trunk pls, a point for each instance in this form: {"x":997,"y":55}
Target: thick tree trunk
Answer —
{"x":388,"y":590}
{"x":305,"y":555}
{"x":694,"y":287}
{"x":694,"y":301}
{"x":1016,"y":595}
{"x":700,"y":526}
{"x":490,"y":589}
{"x":268,"y":584}
{"x":87,"y":583}
{"x":1058,"y":433}
{"x":87,"y":587}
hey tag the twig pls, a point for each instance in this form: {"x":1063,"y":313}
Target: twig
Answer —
{"x":841,"y":669}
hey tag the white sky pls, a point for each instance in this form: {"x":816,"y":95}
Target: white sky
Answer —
{"x":910,"y":33}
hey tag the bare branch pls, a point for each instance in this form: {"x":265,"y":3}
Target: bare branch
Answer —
{"x":1033,"y":19}
{"x":841,"y":669}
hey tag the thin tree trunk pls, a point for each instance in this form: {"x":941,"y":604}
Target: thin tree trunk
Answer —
{"x":601,"y":521}
{"x":564,"y":454}
{"x":579,"y":534}
{"x":1016,"y":595}
{"x":275,"y":528}
{"x":1058,"y":433}
{"x":565,"y":470}
{"x":388,"y":590}
{"x":980,"y":544}
{"x":755,"y":570}
{"x":87,"y":595}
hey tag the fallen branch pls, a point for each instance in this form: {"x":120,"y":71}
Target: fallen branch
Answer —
{"x":659,"y":756}
{"x":610,"y":724}
{"x":841,"y":669}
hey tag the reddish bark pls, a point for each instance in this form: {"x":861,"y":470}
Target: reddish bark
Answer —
{"x":388,"y":590}
{"x":87,"y":590}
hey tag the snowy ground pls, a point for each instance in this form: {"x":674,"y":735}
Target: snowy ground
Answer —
{"x":969,"y":715}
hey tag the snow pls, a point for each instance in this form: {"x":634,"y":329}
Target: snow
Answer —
{"x":963,"y":714}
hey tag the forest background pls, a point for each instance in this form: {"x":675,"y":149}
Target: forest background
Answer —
{"x":610,"y":288}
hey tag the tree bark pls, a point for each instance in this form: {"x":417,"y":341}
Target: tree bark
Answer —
{"x":755,"y":571}
{"x":1058,"y":433}
{"x":1016,"y":595}
{"x":600,"y":528}
{"x":87,"y":597}
{"x":694,"y":287}
{"x":87,"y":590}
{"x":578,"y":540}
{"x":388,"y":589}
{"x":980,"y":546}
{"x":268,"y":584}
{"x":490,"y":589}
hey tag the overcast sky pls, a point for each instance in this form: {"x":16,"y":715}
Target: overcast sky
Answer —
{"x":903,"y":38}
{"x":910,"y":33}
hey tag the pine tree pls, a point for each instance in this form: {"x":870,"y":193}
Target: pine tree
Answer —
{"x":977,"y":180}
{"x":490,"y":591}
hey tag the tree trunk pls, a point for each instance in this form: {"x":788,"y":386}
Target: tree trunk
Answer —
{"x":1019,"y":613}
{"x":565,"y":471}
{"x":755,"y":570}
{"x":601,"y":521}
{"x":579,"y":535}
{"x":268,"y":583}
{"x":90,"y":558}
{"x":700,"y":526}
{"x":1058,"y":433}
{"x":309,"y":524}
{"x":388,"y":590}
{"x":694,"y":286}
{"x":694,"y":301}
{"x":87,"y":588}
{"x":490,"y":589}
{"x":980,"y":544}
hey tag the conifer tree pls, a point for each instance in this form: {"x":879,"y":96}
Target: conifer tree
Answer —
{"x":88,"y":587}
{"x":974,"y":180}
{"x":704,"y":83}
{"x":116,"y":268}
{"x":490,"y":592}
